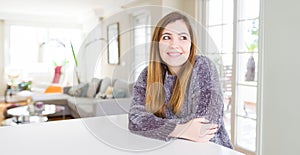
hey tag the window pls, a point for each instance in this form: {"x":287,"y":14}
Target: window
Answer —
{"x":35,"y":51}
{"x":246,"y":83}
{"x":218,"y":44}
{"x":231,"y":42}
{"x":141,"y":40}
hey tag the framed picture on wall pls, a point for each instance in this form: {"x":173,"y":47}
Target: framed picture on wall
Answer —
{"x":113,"y":41}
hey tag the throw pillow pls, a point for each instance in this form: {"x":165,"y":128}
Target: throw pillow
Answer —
{"x":93,"y":86}
{"x":109,"y":92}
{"x":118,"y":93}
{"x":106,"y":82}
{"x":122,"y":84}
{"x":79,"y":90}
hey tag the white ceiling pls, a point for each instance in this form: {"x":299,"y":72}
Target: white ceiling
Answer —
{"x":71,"y":10}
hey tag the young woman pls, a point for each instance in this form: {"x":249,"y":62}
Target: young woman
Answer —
{"x":178,"y":95}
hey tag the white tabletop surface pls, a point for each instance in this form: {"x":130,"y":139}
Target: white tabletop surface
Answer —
{"x":94,"y":136}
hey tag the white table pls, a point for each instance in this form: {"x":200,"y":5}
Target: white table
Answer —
{"x":23,"y":110}
{"x":94,"y":136}
{"x":21,"y":114}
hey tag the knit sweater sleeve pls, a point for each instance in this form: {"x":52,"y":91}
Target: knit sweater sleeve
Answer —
{"x":216,"y":99}
{"x":145,"y":123}
{"x":216,"y":106}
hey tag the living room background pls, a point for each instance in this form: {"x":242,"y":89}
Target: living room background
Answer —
{"x":35,"y":51}
{"x":92,"y":59}
{"x":92,"y":56}
{"x":2,"y":82}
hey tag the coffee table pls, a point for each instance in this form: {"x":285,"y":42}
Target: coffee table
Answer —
{"x":24,"y":120}
{"x":21,"y":114}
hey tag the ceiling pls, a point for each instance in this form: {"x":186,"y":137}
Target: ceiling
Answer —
{"x":63,"y":10}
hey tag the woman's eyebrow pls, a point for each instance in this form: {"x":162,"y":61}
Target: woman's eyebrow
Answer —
{"x":183,"y":33}
{"x":166,"y":33}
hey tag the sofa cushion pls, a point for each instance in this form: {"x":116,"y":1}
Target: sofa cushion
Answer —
{"x":112,"y":106}
{"x":79,"y":90}
{"x":106,"y":82}
{"x":58,"y":99}
{"x":93,"y":86}
{"x":107,"y":94}
{"x":118,"y":93}
{"x":121,"y":85}
{"x":83,"y":106}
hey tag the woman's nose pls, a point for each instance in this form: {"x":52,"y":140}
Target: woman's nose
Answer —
{"x":174,"y":43}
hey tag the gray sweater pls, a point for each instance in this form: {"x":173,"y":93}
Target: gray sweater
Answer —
{"x":203,"y":98}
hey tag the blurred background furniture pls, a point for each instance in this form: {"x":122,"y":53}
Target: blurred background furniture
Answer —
{"x":17,"y":93}
{"x":91,"y":99}
{"x":54,"y":89}
{"x":226,"y":83}
{"x":31,"y":113}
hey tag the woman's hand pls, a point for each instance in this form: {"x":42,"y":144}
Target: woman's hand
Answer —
{"x":197,"y":130}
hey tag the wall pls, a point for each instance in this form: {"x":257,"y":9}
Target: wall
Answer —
{"x":124,"y":33}
{"x":281,"y":78}
{"x":188,"y":6}
{"x":89,"y":51}
{"x":124,"y":18}
{"x":2,"y":83}
{"x":177,"y":4}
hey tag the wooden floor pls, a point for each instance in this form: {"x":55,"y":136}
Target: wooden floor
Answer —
{"x":3,"y":108}
{"x":59,"y":118}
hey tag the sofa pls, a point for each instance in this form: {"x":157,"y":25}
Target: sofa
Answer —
{"x":96,"y":98}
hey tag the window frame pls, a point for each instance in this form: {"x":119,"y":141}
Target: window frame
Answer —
{"x":203,"y":17}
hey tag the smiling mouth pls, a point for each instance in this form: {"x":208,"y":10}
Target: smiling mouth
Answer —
{"x":174,"y":54}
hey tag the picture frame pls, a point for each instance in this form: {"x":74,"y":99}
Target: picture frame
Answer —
{"x":113,"y":42}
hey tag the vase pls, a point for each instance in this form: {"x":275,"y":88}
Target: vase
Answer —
{"x":250,"y":74}
{"x":57,"y":74}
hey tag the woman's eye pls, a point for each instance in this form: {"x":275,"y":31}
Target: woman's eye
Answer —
{"x":183,"y":38}
{"x":166,"y":37}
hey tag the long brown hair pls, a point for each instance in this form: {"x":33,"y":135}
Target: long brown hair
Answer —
{"x":155,"y":93}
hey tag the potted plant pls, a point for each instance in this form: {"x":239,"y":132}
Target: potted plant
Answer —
{"x":76,"y":63}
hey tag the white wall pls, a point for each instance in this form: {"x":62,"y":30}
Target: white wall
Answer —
{"x":122,"y":70}
{"x":188,"y":6}
{"x":2,"y":83}
{"x":281,"y":78}
{"x":92,"y":60}
{"x":177,"y":4}
{"x":124,"y":18}
{"x":88,"y":54}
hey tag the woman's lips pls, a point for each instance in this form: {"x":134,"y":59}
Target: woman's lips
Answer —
{"x":174,"y":54}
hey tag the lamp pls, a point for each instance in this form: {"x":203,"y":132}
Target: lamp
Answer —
{"x":88,"y":54}
{"x":92,"y":41}
{"x":55,"y":43}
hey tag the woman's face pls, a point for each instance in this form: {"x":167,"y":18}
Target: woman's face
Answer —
{"x":175,"y":45}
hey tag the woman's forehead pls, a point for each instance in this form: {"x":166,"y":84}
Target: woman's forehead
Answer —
{"x":179,"y":26}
